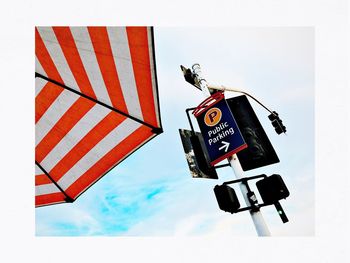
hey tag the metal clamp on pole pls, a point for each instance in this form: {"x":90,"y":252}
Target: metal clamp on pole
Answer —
{"x":200,"y":81}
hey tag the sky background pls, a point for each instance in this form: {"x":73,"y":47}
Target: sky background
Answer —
{"x":152,"y":193}
{"x":330,"y":239}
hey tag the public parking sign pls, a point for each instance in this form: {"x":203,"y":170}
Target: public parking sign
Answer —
{"x":219,"y":129}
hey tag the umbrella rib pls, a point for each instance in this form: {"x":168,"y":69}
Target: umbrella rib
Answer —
{"x":156,"y":130}
{"x":68,"y":198}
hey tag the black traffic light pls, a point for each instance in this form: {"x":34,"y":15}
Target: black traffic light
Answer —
{"x":226,"y":198}
{"x":189,"y":76}
{"x":272,"y":189}
{"x":277,"y":123}
{"x":260,"y":151}
{"x":196,"y":155}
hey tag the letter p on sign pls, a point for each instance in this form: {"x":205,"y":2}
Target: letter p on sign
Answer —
{"x":212,"y":117}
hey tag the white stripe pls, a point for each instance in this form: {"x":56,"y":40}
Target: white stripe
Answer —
{"x":39,"y":68}
{"x":39,"y":84}
{"x":38,"y":170}
{"x":46,"y":189}
{"x":57,"y":109}
{"x":153,"y":73}
{"x":95,"y":154}
{"x":51,"y":43}
{"x":77,"y":133}
{"x":87,"y":54}
{"x":122,"y":58}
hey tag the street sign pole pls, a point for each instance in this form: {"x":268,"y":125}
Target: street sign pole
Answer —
{"x":258,"y":220}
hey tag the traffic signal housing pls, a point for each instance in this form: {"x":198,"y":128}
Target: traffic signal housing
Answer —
{"x":272,"y":189}
{"x":277,"y":123}
{"x":196,"y":155}
{"x":226,"y":198}
{"x":260,"y":151}
{"x":189,"y":76}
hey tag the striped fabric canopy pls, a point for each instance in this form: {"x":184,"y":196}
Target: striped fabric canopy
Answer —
{"x":96,"y":102}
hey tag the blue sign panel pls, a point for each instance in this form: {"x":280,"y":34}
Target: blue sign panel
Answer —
{"x":219,"y":129}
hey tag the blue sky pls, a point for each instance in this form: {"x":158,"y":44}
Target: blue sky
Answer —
{"x":151,"y":193}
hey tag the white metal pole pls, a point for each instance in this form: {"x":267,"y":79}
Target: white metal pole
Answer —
{"x":258,"y":220}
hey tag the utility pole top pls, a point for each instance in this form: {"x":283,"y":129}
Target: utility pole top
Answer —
{"x":200,"y":80}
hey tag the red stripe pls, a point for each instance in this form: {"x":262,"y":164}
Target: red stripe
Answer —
{"x":93,"y":137}
{"x":62,"y":127}
{"x":104,"y":55}
{"x":109,"y":160}
{"x":45,"y":59}
{"x":45,"y":98}
{"x":50,"y":92}
{"x":139,"y":51}
{"x":49,"y":199}
{"x":70,"y":51}
{"x":208,"y":103}
{"x":42,"y":179}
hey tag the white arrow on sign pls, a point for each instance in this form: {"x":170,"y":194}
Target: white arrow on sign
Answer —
{"x":225,"y":145}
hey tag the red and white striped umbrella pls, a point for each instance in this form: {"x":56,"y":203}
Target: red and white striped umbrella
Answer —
{"x":96,"y":102}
